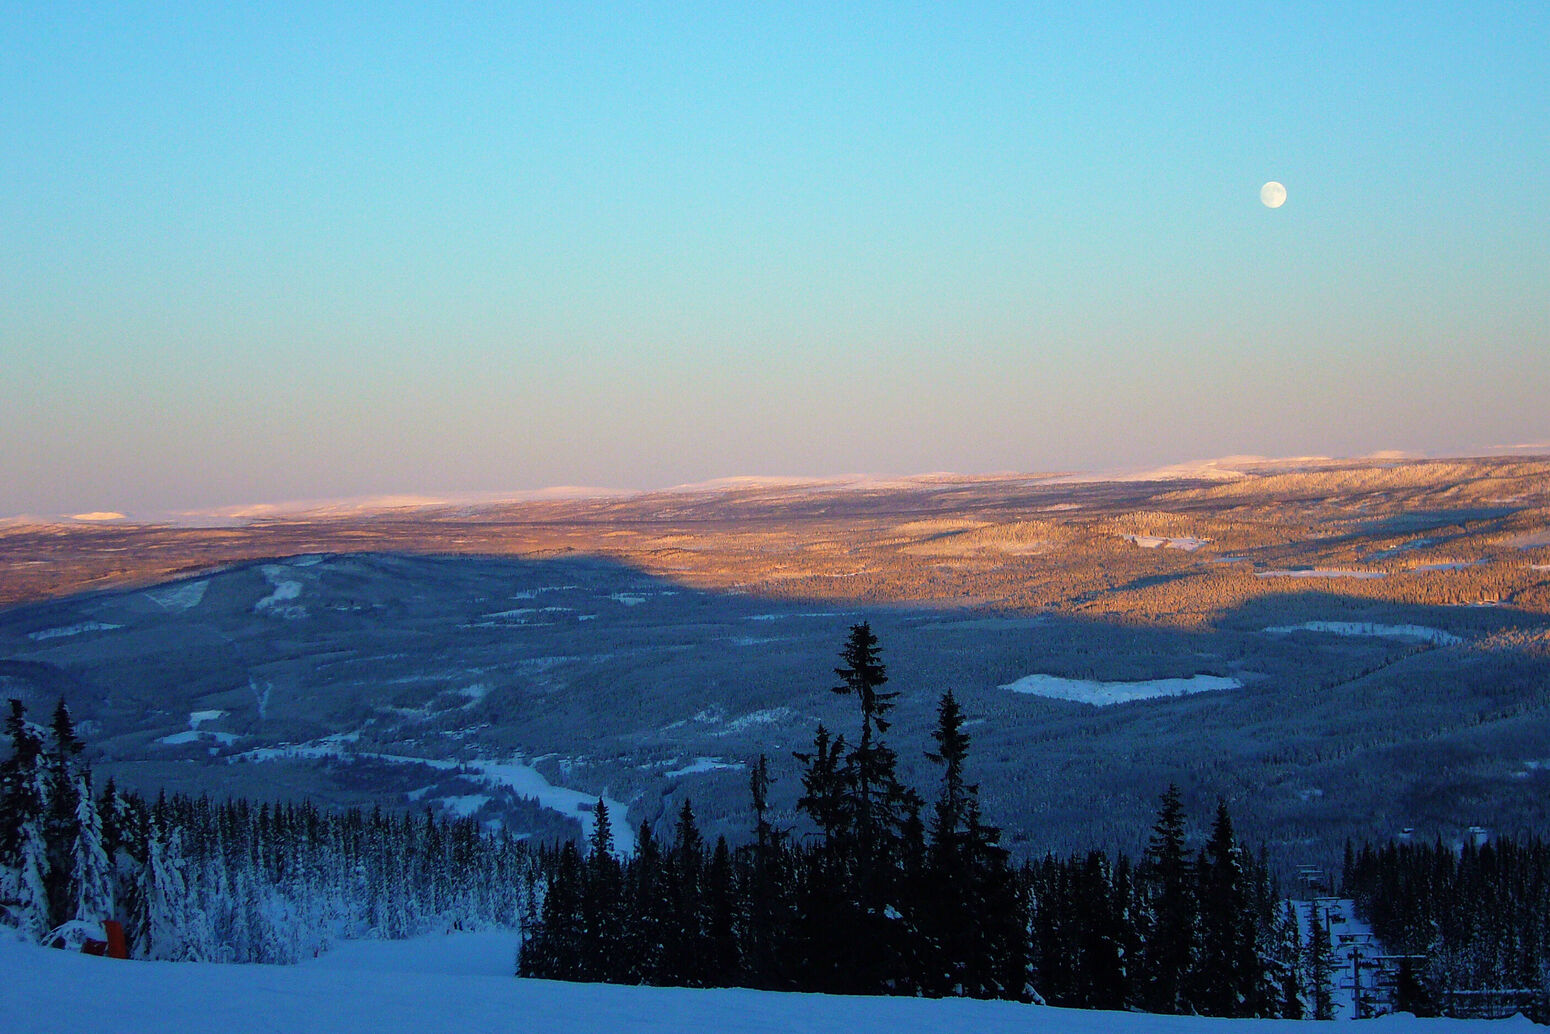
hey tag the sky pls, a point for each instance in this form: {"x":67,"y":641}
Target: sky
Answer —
{"x":272,"y":251}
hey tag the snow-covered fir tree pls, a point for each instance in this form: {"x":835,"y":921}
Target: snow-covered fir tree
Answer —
{"x":191,"y":879}
{"x":90,"y":876}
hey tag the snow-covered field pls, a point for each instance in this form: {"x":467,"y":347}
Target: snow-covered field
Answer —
{"x":802,"y":614}
{"x":1089,"y":691}
{"x":1421,"y":632}
{"x":285,"y":590}
{"x":526,"y":781}
{"x":179,"y":595}
{"x":177,"y":739}
{"x":1320,"y":572}
{"x":69,"y":630}
{"x":703,"y":764}
{"x":1188,"y":543}
{"x":460,"y":983}
{"x":193,"y":734}
{"x":515,"y":774}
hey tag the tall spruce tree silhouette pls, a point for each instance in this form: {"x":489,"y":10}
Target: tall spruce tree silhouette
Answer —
{"x":873,"y":925}
{"x":872,"y":763}
{"x":1171,"y":916}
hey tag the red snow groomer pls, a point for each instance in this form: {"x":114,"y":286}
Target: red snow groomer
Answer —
{"x":83,"y":937}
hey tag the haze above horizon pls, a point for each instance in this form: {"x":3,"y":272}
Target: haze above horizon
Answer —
{"x":292,"y":252}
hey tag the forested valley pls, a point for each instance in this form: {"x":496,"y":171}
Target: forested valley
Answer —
{"x":884,"y":889}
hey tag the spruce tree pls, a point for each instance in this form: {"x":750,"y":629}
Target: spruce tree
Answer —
{"x":650,"y":916}
{"x":950,"y":884}
{"x":824,"y":797}
{"x":91,"y":875}
{"x":759,"y":786}
{"x":878,"y":796}
{"x":1320,"y":966}
{"x":21,"y":784}
{"x":879,"y":807}
{"x":1101,"y":935}
{"x":688,"y":845}
{"x":767,"y":917}
{"x":602,"y":923}
{"x":721,"y":919}
{"x":159,"y":924}
{"x":59,"y":819}
{"x":23,"y":893}
{"x":1170,"y":930}
{"x":1291,"y":959}
{"x":23,"y":847}
{"x":824,"y":924}
{"x":553,"y":950}
{"x":948,"y":828}
{"x":968,"y":874}
{"x":1227,"y":972}
{"x":687,"y":958}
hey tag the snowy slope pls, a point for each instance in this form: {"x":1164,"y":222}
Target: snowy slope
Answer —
{"x":455,"y":984}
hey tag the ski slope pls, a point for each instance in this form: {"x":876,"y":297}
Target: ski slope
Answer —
{"x":457,"y":983}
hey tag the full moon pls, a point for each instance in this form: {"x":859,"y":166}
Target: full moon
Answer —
{"x":1273,"y":194}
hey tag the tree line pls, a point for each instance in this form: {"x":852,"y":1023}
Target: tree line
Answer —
{"x":1477,"y":914}
{"x":233,"y":882}
{"x":880,"y":889}
{"x":881,"y":894}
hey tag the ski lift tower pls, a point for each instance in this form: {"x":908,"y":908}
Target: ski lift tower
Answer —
{"x":1313,"y":880}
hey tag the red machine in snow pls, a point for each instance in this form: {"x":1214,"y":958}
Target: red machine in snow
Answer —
{"x":114,"y":947}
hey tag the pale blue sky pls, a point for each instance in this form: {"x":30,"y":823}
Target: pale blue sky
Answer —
{"x":270,"y":251}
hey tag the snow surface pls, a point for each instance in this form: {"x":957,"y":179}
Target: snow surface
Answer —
{"x":516,"y":775}
{"x":703,"y":765}
{"x":518,"y":613}
{"x":260,"y":696}
{"x":284,"y":590}
{"x":716,"y":715}
{"x":526,"y":781}
{"x":195,"y":735}
{"x":1099,"y":694}
{"x":528,"y":594}
{"x":486,"y":953}
{"x":1187,"y":542}
{"x":180,"y":595}
{"x":475,"y":693}
{"x":1320,"y":572}
{"x":1421,"y":632}
{"x":363,"y":505}
{"x":465,"y":805}
{"x":803,"y":614}
{"x":69,"y":630}
{"x":1348,"y":934}
{"x":458,"y":983}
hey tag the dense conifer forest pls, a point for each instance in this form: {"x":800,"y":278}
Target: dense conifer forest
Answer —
{"x":883,"y":889}
{"x":233,"y":882}
{"x":884,"y":894}
{"x":1478,"y":915}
